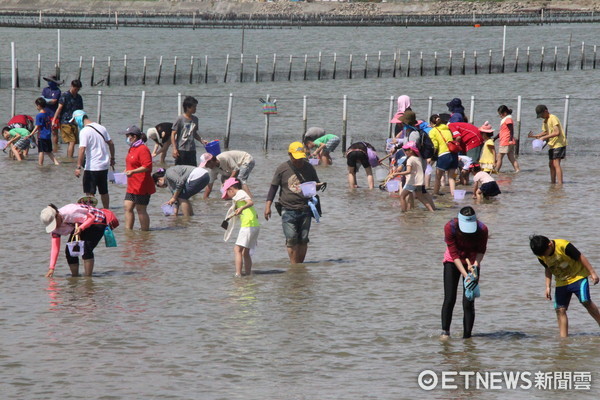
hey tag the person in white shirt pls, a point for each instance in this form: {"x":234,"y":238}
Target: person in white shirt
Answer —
{"x":229,"y":164}
{"x":98,"y":150}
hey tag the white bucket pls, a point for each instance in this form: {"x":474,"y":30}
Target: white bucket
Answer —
{"x":167,"y":209}
{"x":309,"y":189}
{"x":428,"y":170}
{"x":76,"y":248}
{"x":380,"y":174}
{"x":120,"y":178}
{"x":313,"y":161}
{"x":111,"y":176}
{"x":537,"y":144}
{"x":459,"y":194}
{"x":393,"y":185}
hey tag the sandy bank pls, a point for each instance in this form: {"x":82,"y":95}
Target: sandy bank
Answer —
{"x":294,"y":8}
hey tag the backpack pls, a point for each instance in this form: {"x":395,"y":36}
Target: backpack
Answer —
{"x":424,"y":144}
{"x":111,"y":218}
{"x":372,"y":156}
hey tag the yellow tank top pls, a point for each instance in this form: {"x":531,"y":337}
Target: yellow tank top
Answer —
{"x":564,"y":268}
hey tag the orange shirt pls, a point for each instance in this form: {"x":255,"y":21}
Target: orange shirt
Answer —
{"x":505,"y":139}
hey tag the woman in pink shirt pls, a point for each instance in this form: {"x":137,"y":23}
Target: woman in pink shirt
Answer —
{"x":507,"y":139}
{"x":74,"y":219}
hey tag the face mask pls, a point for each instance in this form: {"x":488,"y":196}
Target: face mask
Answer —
{"x":128,"y":140}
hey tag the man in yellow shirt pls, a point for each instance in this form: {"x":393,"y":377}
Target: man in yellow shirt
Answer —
{"x":553,"y":133}
{"x":571,"y":270}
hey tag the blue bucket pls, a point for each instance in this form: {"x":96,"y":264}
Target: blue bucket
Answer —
{"x":213,"y":148}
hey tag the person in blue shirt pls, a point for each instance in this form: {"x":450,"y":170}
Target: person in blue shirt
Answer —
{"x":43,"y":127}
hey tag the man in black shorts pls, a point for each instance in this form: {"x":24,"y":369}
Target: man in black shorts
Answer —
{"x":96,"y":146}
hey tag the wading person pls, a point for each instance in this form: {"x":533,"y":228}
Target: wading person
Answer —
{"x":229,"y":164}
{"x":97,"y":149}
{"x":295,"y":212}
{"x":466,"y":243}
{"x":140,"y":185}
{"x":183,"y":181}
{"x":553,"y":133}
{"x":507,"y":139}
{"x":184,"y":133}
{"x":571,"y":270}
{"x":69,"y":101}
{"x":87,"y":222}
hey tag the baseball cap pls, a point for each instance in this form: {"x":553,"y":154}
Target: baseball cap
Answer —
{"x":204,"y":158}
{"x":132,"y":130}
{"x":412,"y":146}
{"x":226,"y":185}
{"x":48,"y":218}
{"x":296,"y":149}
{"x":539,"y":110}
{"x":77,"y":114}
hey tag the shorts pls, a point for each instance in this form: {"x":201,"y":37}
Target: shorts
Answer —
{"x":296,"y":226}
{"x":356,"y":158}
{"x":447,"y":161}
{"x":558,"y":153}
{"x":69,"y":133}
{"x":245,"y":170}
{"x":95,"y":179}
{"x":22,"y":144}
{"x":475,"y":153}
{"x":490,"y":189}
{"x":413,"y":188}
{"x":510,"y":149}
{"x":194,"y":187}
{"x":331,"y":144}
{"x":44,"y":146}
{"x":248,"y":237}
{"x":139,"y":199}
{"x":186,"y":158}
{"x":562,"y":294}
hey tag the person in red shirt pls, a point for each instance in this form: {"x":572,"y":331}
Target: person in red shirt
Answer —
{"x":470,"y":138}
{"x":466,"y":241}
{"x":140,"y":185}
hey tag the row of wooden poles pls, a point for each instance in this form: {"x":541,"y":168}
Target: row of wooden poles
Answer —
{"x":397,"y":70}
{"x":344,"y":122}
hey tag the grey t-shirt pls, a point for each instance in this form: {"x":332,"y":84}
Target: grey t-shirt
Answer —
{"x":186,"y":129}
{"x":290,"y":195}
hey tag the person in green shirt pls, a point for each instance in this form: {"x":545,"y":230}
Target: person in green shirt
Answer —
{"x":324,"y":146}
{"x":18,"y":141}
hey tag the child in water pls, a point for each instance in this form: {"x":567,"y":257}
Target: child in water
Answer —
{"x":571,"y":270}
{"x":415,"y":182}
{"x":484,"y":186}
{"x":248,"y":235}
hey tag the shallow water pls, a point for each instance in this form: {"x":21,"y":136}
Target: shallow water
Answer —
{"x":164,"y":317}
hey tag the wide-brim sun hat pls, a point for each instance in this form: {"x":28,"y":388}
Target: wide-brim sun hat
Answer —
{"x":409,"y":118}
{"x":48,"y":218}
{"x":53,"y":78}
{"x":205,"y":158}
{"x":152,"y":133}
{"x":396,"y":118}
{"x":296,"y":149}
{"x":486,"y":127}
{"x":226,"y":185}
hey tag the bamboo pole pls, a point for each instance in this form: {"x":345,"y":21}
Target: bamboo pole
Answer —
{"x":542,"y":60}
{"x":305,"y":65}
{"x":144,"y":69}
{"x":108,"y":73}
{"x":205,"y":69}
{"x":430,"y":106}
{"x":464,"y":65}
{"x":350,"y":68}
{"x":242,"y":67}
{"x":175,"y":70}
{"x":179,"y":104}
{"x":80,"y":68}
{"x":566,"y":115}
{"x":256,"y":71}
{"x":13,"y":85}
{"x":395,"y":65}
{"x":99,"y":113}
{"x":319,"y":70}
{"x":408,"y":64}
{"x":450,"y":63}
{"x":435,"y":63}
{"x":93,"y":69}
{"x":344,"y":122}
{"x":39,"y":66}
{"x":192,"y":66}
{"x":304,"y":114}
{"x":273,"y":71}
{"x":335,"y":63}
{"x":266,"y":136}
{"x":390,"y":116}
{"x":379,"y":64}
{"x":490,"y":63}
{"x":421,"y":64}
{"x":366,"y":66}
{"x":528,"y":63}
{"x":472,"y":110}
{"x":125,"y":71}
{"x":58,"y":54}
{"x":518,"y":146}
{"x":142,"y":106}
{"x":160,"y":63}
{"x":475,"y":61}
{"x":290,"y":69}
{"x":517,"y":59}
{"x":229,"y":115}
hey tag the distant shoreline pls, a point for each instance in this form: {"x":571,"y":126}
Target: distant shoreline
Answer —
{"x":325,"y":8}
